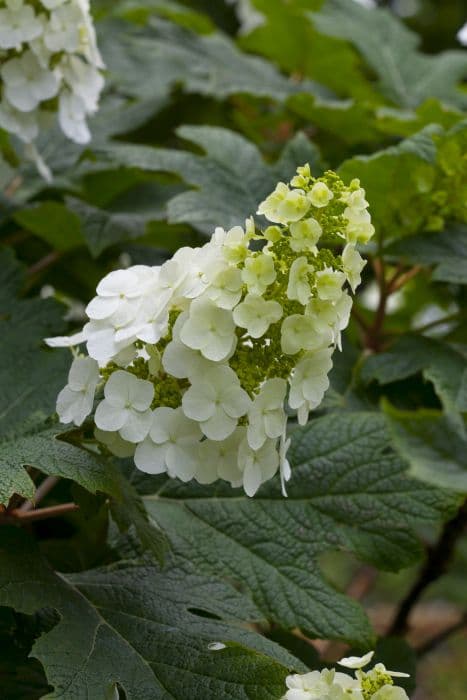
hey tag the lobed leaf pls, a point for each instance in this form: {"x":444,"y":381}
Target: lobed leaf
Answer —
{"x":348,"y":491}
{"x":231,"y":177}
{"x":146,"y":631}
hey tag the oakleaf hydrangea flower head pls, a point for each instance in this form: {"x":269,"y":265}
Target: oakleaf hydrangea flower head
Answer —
{"x":329,"y":684}
{"x":195,"y":366}
{"x":49,"y":66}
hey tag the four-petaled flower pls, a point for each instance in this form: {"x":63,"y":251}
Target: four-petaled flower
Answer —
{"x":126,"y":406}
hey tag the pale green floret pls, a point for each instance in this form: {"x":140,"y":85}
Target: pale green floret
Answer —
{"x":329,"y":284}
{"x":284,"y":205}
{"x":299,"y":281}
{"x":258,"y":272}
{"x":320,"y":195}
{"x":273,"y":234}
{"x":305,"y":235}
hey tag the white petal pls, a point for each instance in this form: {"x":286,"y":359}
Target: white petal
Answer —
{"x":235,"y":401}
{"x":356,"y":661}
{"x":84,"y":374}
{"x":198,"y":402}
{"x":219,"y":426}
{"x":150,"y":458}
{"x":136,"y":426}
{"x":251,"y":479}
{"x":65,"y":341}
{"x":74,"y":406}
{"x":141,"y":394}
{"x":102,"y":307}
{"x":181,"y":463}
{"x":109,"y":417}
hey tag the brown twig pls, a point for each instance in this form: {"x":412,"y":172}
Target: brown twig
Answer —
{"x":45,"y":487}
{"x":19,"y":517}
{"x":399,"y":281}
{"x":362,"y":582}
{"x":437,"y":562}
{"x":45,"y":262}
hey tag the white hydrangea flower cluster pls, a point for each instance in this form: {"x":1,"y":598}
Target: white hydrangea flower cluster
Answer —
{"x":329,"y":684}
{"x":198,"y":358}
{"x":49,"y":63}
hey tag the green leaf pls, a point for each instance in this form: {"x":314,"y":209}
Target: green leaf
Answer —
{"x":438,"y":362}
{"x":20,"y":677}
{"x":425,"y":176}
{"x":130,"y":515}
{"x":348,"y":491}
{"x":53,"y":223}
{"x":399,"y":170}
{"x":39,"y":447}
{"x":303,"y":50}
{"x":145,"y":630}
{"x":446,"y":250}
{"x":435,"y":451}
{"x":209,"y":64}
{"x":31,"y":375}
{"x":102,"y":229}
{"x":405,"y":75}
{"x":231,"y":178}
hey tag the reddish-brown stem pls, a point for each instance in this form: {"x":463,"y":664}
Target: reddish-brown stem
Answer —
{"x":15,"y":238}
{"x":42,"y":491}
{"x":19,"y":517}
{"x":44,"y":263}
{"x":373,"y":338}
{"x":399,"y":281}
{"x":438,"y":559}
{"x":362,"y":582}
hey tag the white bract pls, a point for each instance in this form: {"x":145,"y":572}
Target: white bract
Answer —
{"x":216,"y":400}
{"x":209,"y":329}
{"x":50,"y":66}
{"x":75,"y":401}
{"x":299,"y":287}
{"x":259,"y":273}
{"x":171,"y":445}
{"x":266,"y":416}
{"x":198,"y":362}
{"x":257,"y":466}
{"x":125,"y":407}
{"x":18,"y":23}
{"x":305,"y":234}
{"x":309,"y":382}
{"x":255,"y":314}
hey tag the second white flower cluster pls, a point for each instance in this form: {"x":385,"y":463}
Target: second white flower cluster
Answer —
{"x":49,"y":63}
{"x":195,"y":361}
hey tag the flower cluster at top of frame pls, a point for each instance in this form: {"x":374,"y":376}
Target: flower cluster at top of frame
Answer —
{"x":49,"y":65}
{"x":195,"y":361}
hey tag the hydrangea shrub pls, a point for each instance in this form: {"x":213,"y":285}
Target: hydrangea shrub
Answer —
{"x":194,"y":366}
